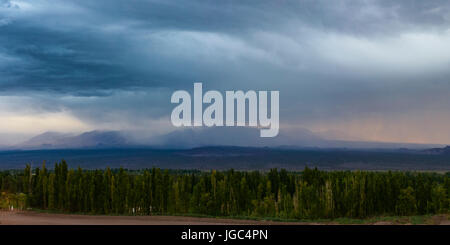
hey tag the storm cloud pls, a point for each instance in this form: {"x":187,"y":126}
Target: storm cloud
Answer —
{"x":373,"y":70}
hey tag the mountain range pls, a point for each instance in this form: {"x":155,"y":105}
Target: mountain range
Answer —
{"x":221,"y":148}
{"x":200,"y":137}
{"x":92,"y":139}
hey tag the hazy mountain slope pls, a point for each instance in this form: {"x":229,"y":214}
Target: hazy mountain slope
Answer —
{"x":46,"y":139}
{"x":53,"y":140}
{"x":235,"y":136}
{"x":444,"y":150}
{"x":245,"y":136}
{"x":197,"y":137}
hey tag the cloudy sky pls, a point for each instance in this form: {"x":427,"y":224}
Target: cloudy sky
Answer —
{"x":369,"y":70}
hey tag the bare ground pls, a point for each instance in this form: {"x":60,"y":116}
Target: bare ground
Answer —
{"x":37,"y":218}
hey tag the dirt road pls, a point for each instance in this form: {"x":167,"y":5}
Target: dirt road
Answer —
{"x":34,"y":218}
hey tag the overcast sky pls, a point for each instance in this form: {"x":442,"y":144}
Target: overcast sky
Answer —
{"x":370,"y":70}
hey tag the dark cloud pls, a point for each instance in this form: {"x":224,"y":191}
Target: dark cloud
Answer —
{"x":88,"y":45}
{"x":330,"y":60}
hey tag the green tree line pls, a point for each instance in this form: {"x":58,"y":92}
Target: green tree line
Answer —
{"x":309,"y":194}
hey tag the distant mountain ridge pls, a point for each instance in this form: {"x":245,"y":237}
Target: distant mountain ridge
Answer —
{"x":440,"y":151}
{"x":200,"y":137}
{"x":92,"y":139}
{"x":249,"y":137}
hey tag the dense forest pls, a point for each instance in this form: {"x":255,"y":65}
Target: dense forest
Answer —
{"x":309,"y":194}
